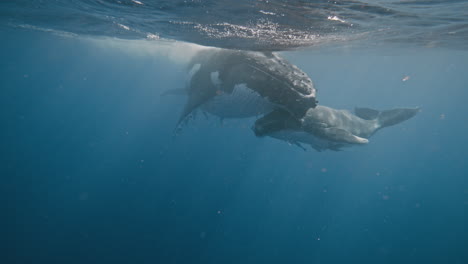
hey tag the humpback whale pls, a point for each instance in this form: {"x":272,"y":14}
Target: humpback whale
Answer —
{"x":238,"y":84}
{"x":324,"y":128}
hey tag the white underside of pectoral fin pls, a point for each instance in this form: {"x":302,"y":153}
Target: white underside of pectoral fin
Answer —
{"x":342,"y":135}
{"x":360,"y":140}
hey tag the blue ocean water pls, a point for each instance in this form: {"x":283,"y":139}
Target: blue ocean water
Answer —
{"x":92,"y":173}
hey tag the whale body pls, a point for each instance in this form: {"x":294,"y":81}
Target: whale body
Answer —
{"x":238,"y":84}
{"x":327,"y":128}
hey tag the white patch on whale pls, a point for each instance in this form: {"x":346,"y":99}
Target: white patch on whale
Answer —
{"x":195,"y":68}
{"x":214,"y":76}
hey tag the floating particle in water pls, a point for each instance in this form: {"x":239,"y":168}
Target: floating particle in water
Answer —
{"x":84,"y":196}
{"x":218,"y":212}
{"x":323,"y":170}
{"x":442,"y":116}
{"x":25,"y":76}
{"x":202,"y":234}
{"x":377,"y":174}
{"x":385,"y":197}
{"x":137,"y":2}
{"x":417,"y":205}
{"x":406,"y":78}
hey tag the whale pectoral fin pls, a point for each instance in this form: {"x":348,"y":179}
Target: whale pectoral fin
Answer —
{"x":334,"y":134}
{"x":316,"y":148}
{"x":299,"y":145}
{"x":195,"y":100}
{"x":341,"y":135}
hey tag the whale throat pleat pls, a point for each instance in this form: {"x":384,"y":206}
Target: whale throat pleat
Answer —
{"x":241,"y":102}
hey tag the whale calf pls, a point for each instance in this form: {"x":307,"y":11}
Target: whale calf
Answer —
{"x":324,"y":128}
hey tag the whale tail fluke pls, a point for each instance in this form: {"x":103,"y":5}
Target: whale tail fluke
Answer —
{"x":387,"y":118}
{"x":395,"y":116}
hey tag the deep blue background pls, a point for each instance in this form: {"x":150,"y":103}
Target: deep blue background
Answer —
{"x":90,"y":172}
